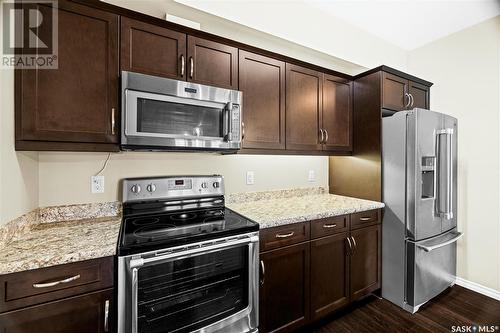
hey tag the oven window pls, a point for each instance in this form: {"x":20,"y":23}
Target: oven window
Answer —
{"x":187,"y":294}
{"x":178,"y":119}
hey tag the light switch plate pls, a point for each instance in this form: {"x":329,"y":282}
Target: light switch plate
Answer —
{"x":97,"y":184}
{"x":250,"y":178}
{"x":312,"y":176}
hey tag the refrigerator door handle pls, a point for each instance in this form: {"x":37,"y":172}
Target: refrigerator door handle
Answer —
{"x":437,"y":246}
{"x":447,"y":188}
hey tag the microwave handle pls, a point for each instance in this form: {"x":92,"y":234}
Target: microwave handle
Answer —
{"x":228,"y":123}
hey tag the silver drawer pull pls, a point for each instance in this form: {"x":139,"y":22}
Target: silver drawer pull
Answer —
{"x":290,"y":234}
{"x":106,"y":316}
{"x":365,"y":218}
{"x":333,"y":225}
{"x":55,"y":283}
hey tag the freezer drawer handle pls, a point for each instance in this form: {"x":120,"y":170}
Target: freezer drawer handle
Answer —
{"x":430,"y":248}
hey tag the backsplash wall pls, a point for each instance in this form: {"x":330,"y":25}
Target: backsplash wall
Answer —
{"x":64,"y":178}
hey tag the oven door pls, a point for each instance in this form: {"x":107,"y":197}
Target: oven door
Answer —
{"x":205,"y":287}
{"x":156,"y":120}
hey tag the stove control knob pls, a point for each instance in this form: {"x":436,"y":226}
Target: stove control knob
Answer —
{"x":135,"y":189}
{"x":204,"y":185}
{"x":216,"y":184}
{"x":151,"y":188}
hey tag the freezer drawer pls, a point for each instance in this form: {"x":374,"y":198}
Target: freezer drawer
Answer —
{"x":431,"y":267}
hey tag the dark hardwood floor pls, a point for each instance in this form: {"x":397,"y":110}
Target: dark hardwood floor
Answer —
{"x":456,"y":306}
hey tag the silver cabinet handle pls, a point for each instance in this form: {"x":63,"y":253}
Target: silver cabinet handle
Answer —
{"x":412,"y":100}
{"x":327,"y":226}
{"x":290,"y":234}
{"x":106,"y":316}
{"x":365,"y":219}
{"x":242,"y":130}
{"x":322,"y":135}
{"x":433,"y":247}
{"x":263,"y":272}
{"x":355,"y":245}
{"x":113,"y":110}
{"x":350,"y":246}
{"x":55,"y":283}
{"x":191,"y":69}
{"x":326,"y":136}
{"x":409,"y":100}
{"x":183,"y":65}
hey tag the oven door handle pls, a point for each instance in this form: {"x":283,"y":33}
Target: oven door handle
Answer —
{"x":197,"y":248}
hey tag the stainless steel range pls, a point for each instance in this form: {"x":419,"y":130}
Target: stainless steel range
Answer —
{"x":186,"y":263}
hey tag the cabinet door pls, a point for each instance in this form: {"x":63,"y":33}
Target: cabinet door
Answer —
{"x":420,"y":94}
{"x":329,"y":275}
{"x":394,"y":92}
{"x":153,"y":50}
{"x":365,"y":262}
{"x":262,"y":81}
{"x":303,"y":108}
{"x":337,"y":113}
{"x":83,"y":314}
{"x":284,"y":292}
{"x":212,"y":63}
{"x":77,"y":101}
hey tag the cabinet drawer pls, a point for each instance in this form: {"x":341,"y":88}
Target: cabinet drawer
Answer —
{"x":47,"y":284}
{"x":329,"y":226}
{"x":272,"y":238}
{"x":364,"y":219}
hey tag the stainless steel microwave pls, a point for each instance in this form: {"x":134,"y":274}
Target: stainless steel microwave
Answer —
{"x":165,"y":114}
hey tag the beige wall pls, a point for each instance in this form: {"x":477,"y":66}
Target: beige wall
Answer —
{"x":18,"y":171}
{"x":65,"y":177}
{"x":465,"y":69}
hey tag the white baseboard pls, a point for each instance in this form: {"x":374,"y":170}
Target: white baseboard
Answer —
{"x":479,"y":288}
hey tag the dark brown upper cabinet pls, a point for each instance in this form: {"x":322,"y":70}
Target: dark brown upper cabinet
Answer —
{"x":329,"y":275}
{"x":399,"y":93}
{"x":337,"y":113}
{"x":284,"y":292}
{"x":419,"y":94}
{"x":74,"y":107}
{"x":153,"y":50}
{"x":365,"y":261}
{"x":262,"y":81}
{"x":304,"y":89}
{"x":212,"y":63}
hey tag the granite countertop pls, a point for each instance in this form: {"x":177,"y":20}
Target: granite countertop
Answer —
{"x":273,"y":211}
{"x":46,"y":244}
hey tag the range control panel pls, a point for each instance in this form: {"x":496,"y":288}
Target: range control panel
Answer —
{"x":160,"y":188}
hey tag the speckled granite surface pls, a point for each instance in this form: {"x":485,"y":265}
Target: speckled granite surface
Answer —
{"x":286,"y":209}
{"x":58,"y":235}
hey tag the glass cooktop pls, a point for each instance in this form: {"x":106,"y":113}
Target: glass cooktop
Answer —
{"x":146,"y":232}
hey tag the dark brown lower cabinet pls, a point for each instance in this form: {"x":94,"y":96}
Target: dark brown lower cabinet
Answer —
{"x":365,"y":261}
{"x":329,"y":275}
{"x":309,"y":275}
{"x":284,"y":290}
{"x":80,"y":314}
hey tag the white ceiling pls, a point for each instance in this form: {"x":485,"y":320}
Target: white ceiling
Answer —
{"x":405,"y":23}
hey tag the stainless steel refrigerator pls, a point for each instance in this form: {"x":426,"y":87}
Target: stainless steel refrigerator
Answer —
{"x":419,"y":230}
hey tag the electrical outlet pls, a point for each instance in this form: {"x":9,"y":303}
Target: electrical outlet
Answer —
{"x":250,"y":178}
{"x":312,"y":176}
{"x":97,"y":184}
